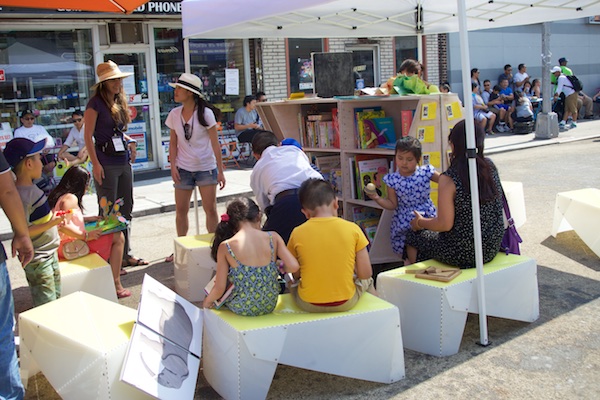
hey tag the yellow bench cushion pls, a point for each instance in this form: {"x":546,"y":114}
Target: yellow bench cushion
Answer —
{"x":82,"y":264}
{"x":190,"y":242}
{"x":287,"y":312}
{"x":500,"y":262}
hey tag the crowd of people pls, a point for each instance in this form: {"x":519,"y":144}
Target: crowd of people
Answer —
{"x":498,"y":106}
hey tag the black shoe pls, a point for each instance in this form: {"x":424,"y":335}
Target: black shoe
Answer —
{"x":589,"y":117}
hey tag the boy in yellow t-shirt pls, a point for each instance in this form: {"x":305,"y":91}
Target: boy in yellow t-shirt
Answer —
{"x":331,"y":251}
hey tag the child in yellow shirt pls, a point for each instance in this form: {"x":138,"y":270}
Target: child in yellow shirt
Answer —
{"x":335,"y":269}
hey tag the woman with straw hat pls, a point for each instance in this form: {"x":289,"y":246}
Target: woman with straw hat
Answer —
{"x":195,"y":153}
{"x":110,"y":149}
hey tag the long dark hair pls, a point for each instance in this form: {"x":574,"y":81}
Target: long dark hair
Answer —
{"x":119,"y":110}
{"x":459,"y":160}
{"x":75,"y":181}
{"x":201,"y":104}
{"x":238,"y":210}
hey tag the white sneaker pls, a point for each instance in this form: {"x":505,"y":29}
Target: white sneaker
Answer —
{"x":562,"y":125}
{"x":572,"y":125}
{"x":502,"y":128}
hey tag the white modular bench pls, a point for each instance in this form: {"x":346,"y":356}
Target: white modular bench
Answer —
{"x":91,"y":274}
{"x":579,"y":210}
{"x":78,"y":342}
{"x":433,"y":314}
{"x":240,"y":354}
{"x":194,"y":267}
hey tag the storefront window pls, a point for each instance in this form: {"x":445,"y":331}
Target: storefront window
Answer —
{"x":50,"y":72}
{"x":169,"y":65}
{"x":301,"y":68}
{"x":212,"y":61}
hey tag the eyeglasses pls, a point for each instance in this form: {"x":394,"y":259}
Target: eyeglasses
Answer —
{"x":77,"y":120}
{"x":187,"y":131}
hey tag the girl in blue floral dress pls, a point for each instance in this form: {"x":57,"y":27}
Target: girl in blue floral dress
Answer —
{"x":247,"y":258}
{"x":408,"y":190}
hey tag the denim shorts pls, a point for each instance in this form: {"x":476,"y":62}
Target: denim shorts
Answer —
{"x":188,"y":180}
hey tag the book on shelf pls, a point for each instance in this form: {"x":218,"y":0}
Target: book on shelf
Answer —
{"x":353,"y":182}
{"x":331,"y":169}
{"x":228,"y":290}
{"x":336,"y":127}
{"x":406,"y":117}
{"x":382,"y":132}
{"x":366,"y":137}
{"x":371,"y":168}
{"x":367,"y":219}
{"x":318,"y":131}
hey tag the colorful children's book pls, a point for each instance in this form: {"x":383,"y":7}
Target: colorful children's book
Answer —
{"x":373,"y":171}
{"x":110,"y":225}
{"x":365,"y":137}
{"x":406,"y":117}
{"x":218,"y":303}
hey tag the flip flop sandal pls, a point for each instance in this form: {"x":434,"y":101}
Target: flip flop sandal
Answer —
{"x":123,"y":293}
{"x":134,"y":262}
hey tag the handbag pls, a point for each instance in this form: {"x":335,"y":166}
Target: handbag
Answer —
{"x":75,"y":249}
{"x":511,"y":239}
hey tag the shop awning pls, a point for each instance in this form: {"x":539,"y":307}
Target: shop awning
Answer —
{"x":114,"y":6}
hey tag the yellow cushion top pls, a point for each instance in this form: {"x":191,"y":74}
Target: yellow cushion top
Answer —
{"x":287,"y":312}
{"x":82,"y":264}
{"x":191,"y":242}
{"x":501,"y":261}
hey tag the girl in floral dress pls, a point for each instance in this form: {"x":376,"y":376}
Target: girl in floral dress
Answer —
{"x":408,"y":190}
{"x":247,"y":258}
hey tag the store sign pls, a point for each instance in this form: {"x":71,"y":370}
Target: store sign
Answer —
{"x":172,"y":7}
{"x":159,"y":7}
{"x":2,"y":76}
{"x":137,"y":131}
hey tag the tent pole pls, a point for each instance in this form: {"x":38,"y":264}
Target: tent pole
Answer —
{"x":186,"y":55}
{"x":471,"y":154}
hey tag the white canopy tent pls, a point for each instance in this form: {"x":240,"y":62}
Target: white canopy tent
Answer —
{"x":377,"y":18}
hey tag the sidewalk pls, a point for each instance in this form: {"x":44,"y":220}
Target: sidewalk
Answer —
{"x":156,"y":196}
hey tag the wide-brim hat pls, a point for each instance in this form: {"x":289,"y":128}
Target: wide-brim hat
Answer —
{"x":109,"y":70}
{"x":189,"y":82}
{"x":18,"y":148}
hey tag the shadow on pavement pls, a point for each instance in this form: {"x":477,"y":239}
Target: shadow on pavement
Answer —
{"x":570,"y":245}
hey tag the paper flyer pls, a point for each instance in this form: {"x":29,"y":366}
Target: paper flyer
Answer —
{"x":453,"y":111}
{"x":429,"y":111}
{"x":433,"y":158}
{"x":426,"y":134}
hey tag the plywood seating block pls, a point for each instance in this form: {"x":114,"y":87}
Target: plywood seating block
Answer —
{"x":516,"y":201}
{"x":240,"y":354}
{"x":433,"y":314}
{"x":79,"y":343}
{"x":194,"y":266}
{"x":91,"y":274}
{"x":579,"y":210}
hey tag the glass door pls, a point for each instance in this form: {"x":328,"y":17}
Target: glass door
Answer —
{"x":140,"y":104}
{"x":366,"y":66}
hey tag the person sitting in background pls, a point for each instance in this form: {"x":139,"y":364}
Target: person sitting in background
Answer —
{"x":448,"y":237}
{"x":261,"y":97}
{"x":521,"y":77}
{"x":527,"y":89}
{"x":523,"y":109}
{"x":507,"y":74}
{"x":483,"y":116}
{"x":246,"y":121}
{"x":30,"y":130}
{"x":75,"y":136}
{"x":536,"y":88}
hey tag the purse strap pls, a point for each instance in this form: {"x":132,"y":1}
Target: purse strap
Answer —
{"x":509,"y":219}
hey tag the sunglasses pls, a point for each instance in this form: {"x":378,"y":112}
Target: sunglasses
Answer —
{"x":188,"y":131}
{"x":77,"y":120}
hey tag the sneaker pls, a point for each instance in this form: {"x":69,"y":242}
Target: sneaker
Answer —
{"x":501,"y":128}
{"x":562,"y":125}
{"x":569,"y":120}
{"x":573,"y":125}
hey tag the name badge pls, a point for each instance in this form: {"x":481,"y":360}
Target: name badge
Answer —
{"x":118,"y":143}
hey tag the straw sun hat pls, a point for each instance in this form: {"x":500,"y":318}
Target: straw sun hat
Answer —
{"x":189,"y":82}
{"x":109,"y":70}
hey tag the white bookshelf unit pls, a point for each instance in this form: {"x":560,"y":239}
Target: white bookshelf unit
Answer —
{"x":433,"y":117}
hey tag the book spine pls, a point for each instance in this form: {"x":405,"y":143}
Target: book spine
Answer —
{"x":406,"y":117}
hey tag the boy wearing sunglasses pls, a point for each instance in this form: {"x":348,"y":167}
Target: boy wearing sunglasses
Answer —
{"x":75,"y":137}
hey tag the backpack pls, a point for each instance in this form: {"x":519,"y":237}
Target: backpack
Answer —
{"x":575,"y":83}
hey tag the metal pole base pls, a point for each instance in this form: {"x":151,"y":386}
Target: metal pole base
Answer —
{"x":546,"y":126}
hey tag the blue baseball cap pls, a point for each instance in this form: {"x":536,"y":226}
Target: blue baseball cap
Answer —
{"x":18,"y":149}
{"x":291,"y":142}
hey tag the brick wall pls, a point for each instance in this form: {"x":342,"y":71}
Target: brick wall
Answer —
{"x":431,"y":55}
{"x":274,"y":68}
